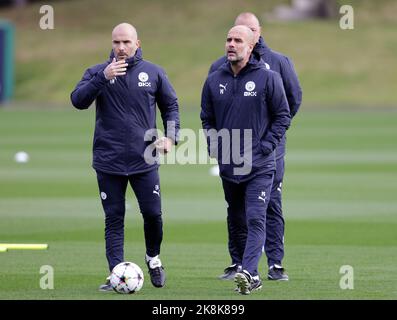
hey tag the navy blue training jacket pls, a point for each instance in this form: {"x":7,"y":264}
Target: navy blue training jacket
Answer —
{"x":283,"y":65}
{"x":254,"y":99}
{"x":125,"y":110}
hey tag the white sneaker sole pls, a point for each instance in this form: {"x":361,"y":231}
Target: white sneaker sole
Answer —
{"x":243,"y":284}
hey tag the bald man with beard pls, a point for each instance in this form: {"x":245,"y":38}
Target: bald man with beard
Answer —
{"x":274,"y":245}
{"x":126,"y":89}
{"x":243,"y":97}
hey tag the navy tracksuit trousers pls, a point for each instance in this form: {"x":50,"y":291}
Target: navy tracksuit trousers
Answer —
{"x":246,"y":219}
{"x":112,"y":189}
{"x":274,"y":245}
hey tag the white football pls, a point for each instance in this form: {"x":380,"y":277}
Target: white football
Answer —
{"x":214,"y":171}
{"x":21,"y":157}
{"x":126,"y":277}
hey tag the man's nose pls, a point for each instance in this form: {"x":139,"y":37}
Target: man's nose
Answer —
{"x":122,"y":47}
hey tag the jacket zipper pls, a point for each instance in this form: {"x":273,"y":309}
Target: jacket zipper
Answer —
{"x":234,"y":84}
{"x":126,"y":125}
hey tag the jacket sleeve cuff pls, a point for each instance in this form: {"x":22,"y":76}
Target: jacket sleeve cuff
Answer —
{"x":100,"y":79}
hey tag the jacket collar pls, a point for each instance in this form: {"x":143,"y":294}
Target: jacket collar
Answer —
{"x":132,"y":60}
{"x":261,"y":47}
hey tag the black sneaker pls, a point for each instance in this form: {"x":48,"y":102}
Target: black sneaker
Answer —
{"x":247,"y":283}
{"x":230,"y":272}
{"x":277,"y":273}
{"x":106,"y":286}
{"x":156,"y":272}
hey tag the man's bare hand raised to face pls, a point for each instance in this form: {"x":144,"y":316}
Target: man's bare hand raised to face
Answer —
{"x":115,"y":69}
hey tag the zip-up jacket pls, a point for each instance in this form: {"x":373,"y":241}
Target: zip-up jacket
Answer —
{"x":253,"y":99}
{"x":125,"y":111}
{"x":283,"y":65}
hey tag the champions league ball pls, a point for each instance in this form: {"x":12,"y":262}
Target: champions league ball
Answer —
{"x":126,"y":277}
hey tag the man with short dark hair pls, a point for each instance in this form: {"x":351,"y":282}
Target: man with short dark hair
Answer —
{"x":126,"y":90}
{"x":274,"y":246}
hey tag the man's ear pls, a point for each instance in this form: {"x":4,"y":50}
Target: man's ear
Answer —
{"x":138,"y":43}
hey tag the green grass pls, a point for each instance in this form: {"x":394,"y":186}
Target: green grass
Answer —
{"x":339,"y":202}
{"x":336,"y":67}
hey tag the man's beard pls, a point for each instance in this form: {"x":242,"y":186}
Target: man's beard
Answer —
{"x":239,"y":57}
{"x":236,"y":60}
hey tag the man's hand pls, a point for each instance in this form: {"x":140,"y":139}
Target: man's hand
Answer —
{"x":115,"y":69}
{"x":163,"y":145}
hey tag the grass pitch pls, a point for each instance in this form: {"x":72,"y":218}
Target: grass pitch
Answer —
{"x":339,"y":202}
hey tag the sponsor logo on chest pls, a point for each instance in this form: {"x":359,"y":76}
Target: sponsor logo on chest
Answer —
{"x":250,"y":87}
{"x":143,"y":80}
